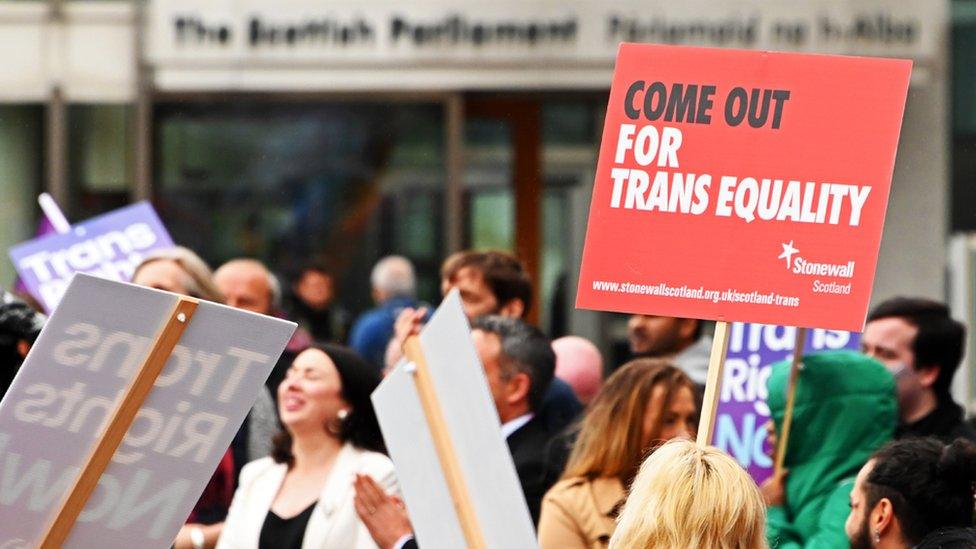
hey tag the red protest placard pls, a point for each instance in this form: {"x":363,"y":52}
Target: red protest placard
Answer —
{"x":742,"y":185}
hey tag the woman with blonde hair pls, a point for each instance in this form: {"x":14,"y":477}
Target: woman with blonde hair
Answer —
{"x":688,"y":496}
{"x":181,"y":271}
{"x":178,"y":270}
{"x":643,"y":404}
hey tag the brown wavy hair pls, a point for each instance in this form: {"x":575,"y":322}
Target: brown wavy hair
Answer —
{"x":610,"y":440}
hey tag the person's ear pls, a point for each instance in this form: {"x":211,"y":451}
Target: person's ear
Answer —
{"x":927,"y":375}
{"x":514,"y":308}
{"x":23,"y":347}
{"x":518,"y":386}
{"x":688,"y":327}
{"x":882,"y":519}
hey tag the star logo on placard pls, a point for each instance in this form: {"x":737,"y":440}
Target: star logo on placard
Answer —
{"x":788,"y":252}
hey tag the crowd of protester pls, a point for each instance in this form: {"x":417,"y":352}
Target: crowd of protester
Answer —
{"x":879,"y":454}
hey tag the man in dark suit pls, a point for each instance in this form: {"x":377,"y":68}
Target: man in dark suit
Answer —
{"x":519,"y":365}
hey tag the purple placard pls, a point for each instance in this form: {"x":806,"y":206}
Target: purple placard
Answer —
{"x":740,"y":427}
{"x":110,"y":246}
{"x":44,"y":227}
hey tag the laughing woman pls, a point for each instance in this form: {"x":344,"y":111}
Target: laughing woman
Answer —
{"x":302,"y":496}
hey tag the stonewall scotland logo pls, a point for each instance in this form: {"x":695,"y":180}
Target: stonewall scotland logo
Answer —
{"x":788,"y":252}
{"x":799,"y":265}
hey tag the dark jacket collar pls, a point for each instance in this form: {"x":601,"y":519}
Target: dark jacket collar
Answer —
{"x":943,"y":422}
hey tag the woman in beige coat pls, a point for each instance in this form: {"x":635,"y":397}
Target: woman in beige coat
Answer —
{"x":642,"y":405}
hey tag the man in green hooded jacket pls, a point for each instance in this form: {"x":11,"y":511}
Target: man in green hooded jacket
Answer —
{"x":845,"y":409}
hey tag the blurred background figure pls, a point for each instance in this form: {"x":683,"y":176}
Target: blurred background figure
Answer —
{"x":303,"y":495}
{"x":680,"y":339}
{"x":180,"y":270}
{"x":490,"y":283}
{"x":313,"y":305}
{"x":248,"y":284}
{"x":394,"y":289}
{"x":19,"y":327}
{"x":579,"y":364}
{"x":691,"y":496}
{"x":922,"y":346}
{"x":644,"y":403}
{"x":845,"y":410}
{"x":915,"y":493}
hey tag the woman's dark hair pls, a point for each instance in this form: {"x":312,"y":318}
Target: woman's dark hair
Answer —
{"x":360,"y":427}
{"x":930,"y":485}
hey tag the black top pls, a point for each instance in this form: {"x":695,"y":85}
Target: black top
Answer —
{"x":279,"y":533}
{"x":944,"y":423}
{"x":559,"y":407}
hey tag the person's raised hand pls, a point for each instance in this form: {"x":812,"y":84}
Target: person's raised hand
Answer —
{"x":383,"y":515}
{"x":408,"y":323}
{"x":773,"y":489}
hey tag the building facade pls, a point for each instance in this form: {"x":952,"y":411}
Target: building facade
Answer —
{"x":302,"y":129}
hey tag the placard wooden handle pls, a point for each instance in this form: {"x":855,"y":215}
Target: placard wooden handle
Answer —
{"x":713,"y":383}
{"x":783,"y":437}
{"x":119,"y":422}
{"x":444,"y":446}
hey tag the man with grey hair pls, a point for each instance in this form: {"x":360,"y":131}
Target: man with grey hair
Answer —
{"x":394,"y":289}
{"x":519,"y":364}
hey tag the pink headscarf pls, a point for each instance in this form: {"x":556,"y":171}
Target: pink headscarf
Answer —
{"x":578,"y":363}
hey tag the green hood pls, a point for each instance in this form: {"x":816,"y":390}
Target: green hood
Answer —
{"x":846,"y":408}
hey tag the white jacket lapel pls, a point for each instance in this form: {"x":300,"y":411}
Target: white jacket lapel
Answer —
{"x":336,"y":490}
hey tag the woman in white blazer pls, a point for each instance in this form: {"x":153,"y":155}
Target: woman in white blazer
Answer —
{"x":302,"y":496}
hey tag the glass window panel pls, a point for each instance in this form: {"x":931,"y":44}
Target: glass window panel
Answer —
{"x":293,"y":182}
{"x":21,"y":154}
{"x":99,"y":158}
{"x":492,"y":220}
{"x":570,"y":145}
{"x":488,"y":168}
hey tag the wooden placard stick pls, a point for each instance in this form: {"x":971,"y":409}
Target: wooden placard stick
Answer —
{"x":783,"y":437}
{"x":119,"y":422}
{"x":443,"y":445}
{"x":713,"y":383}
